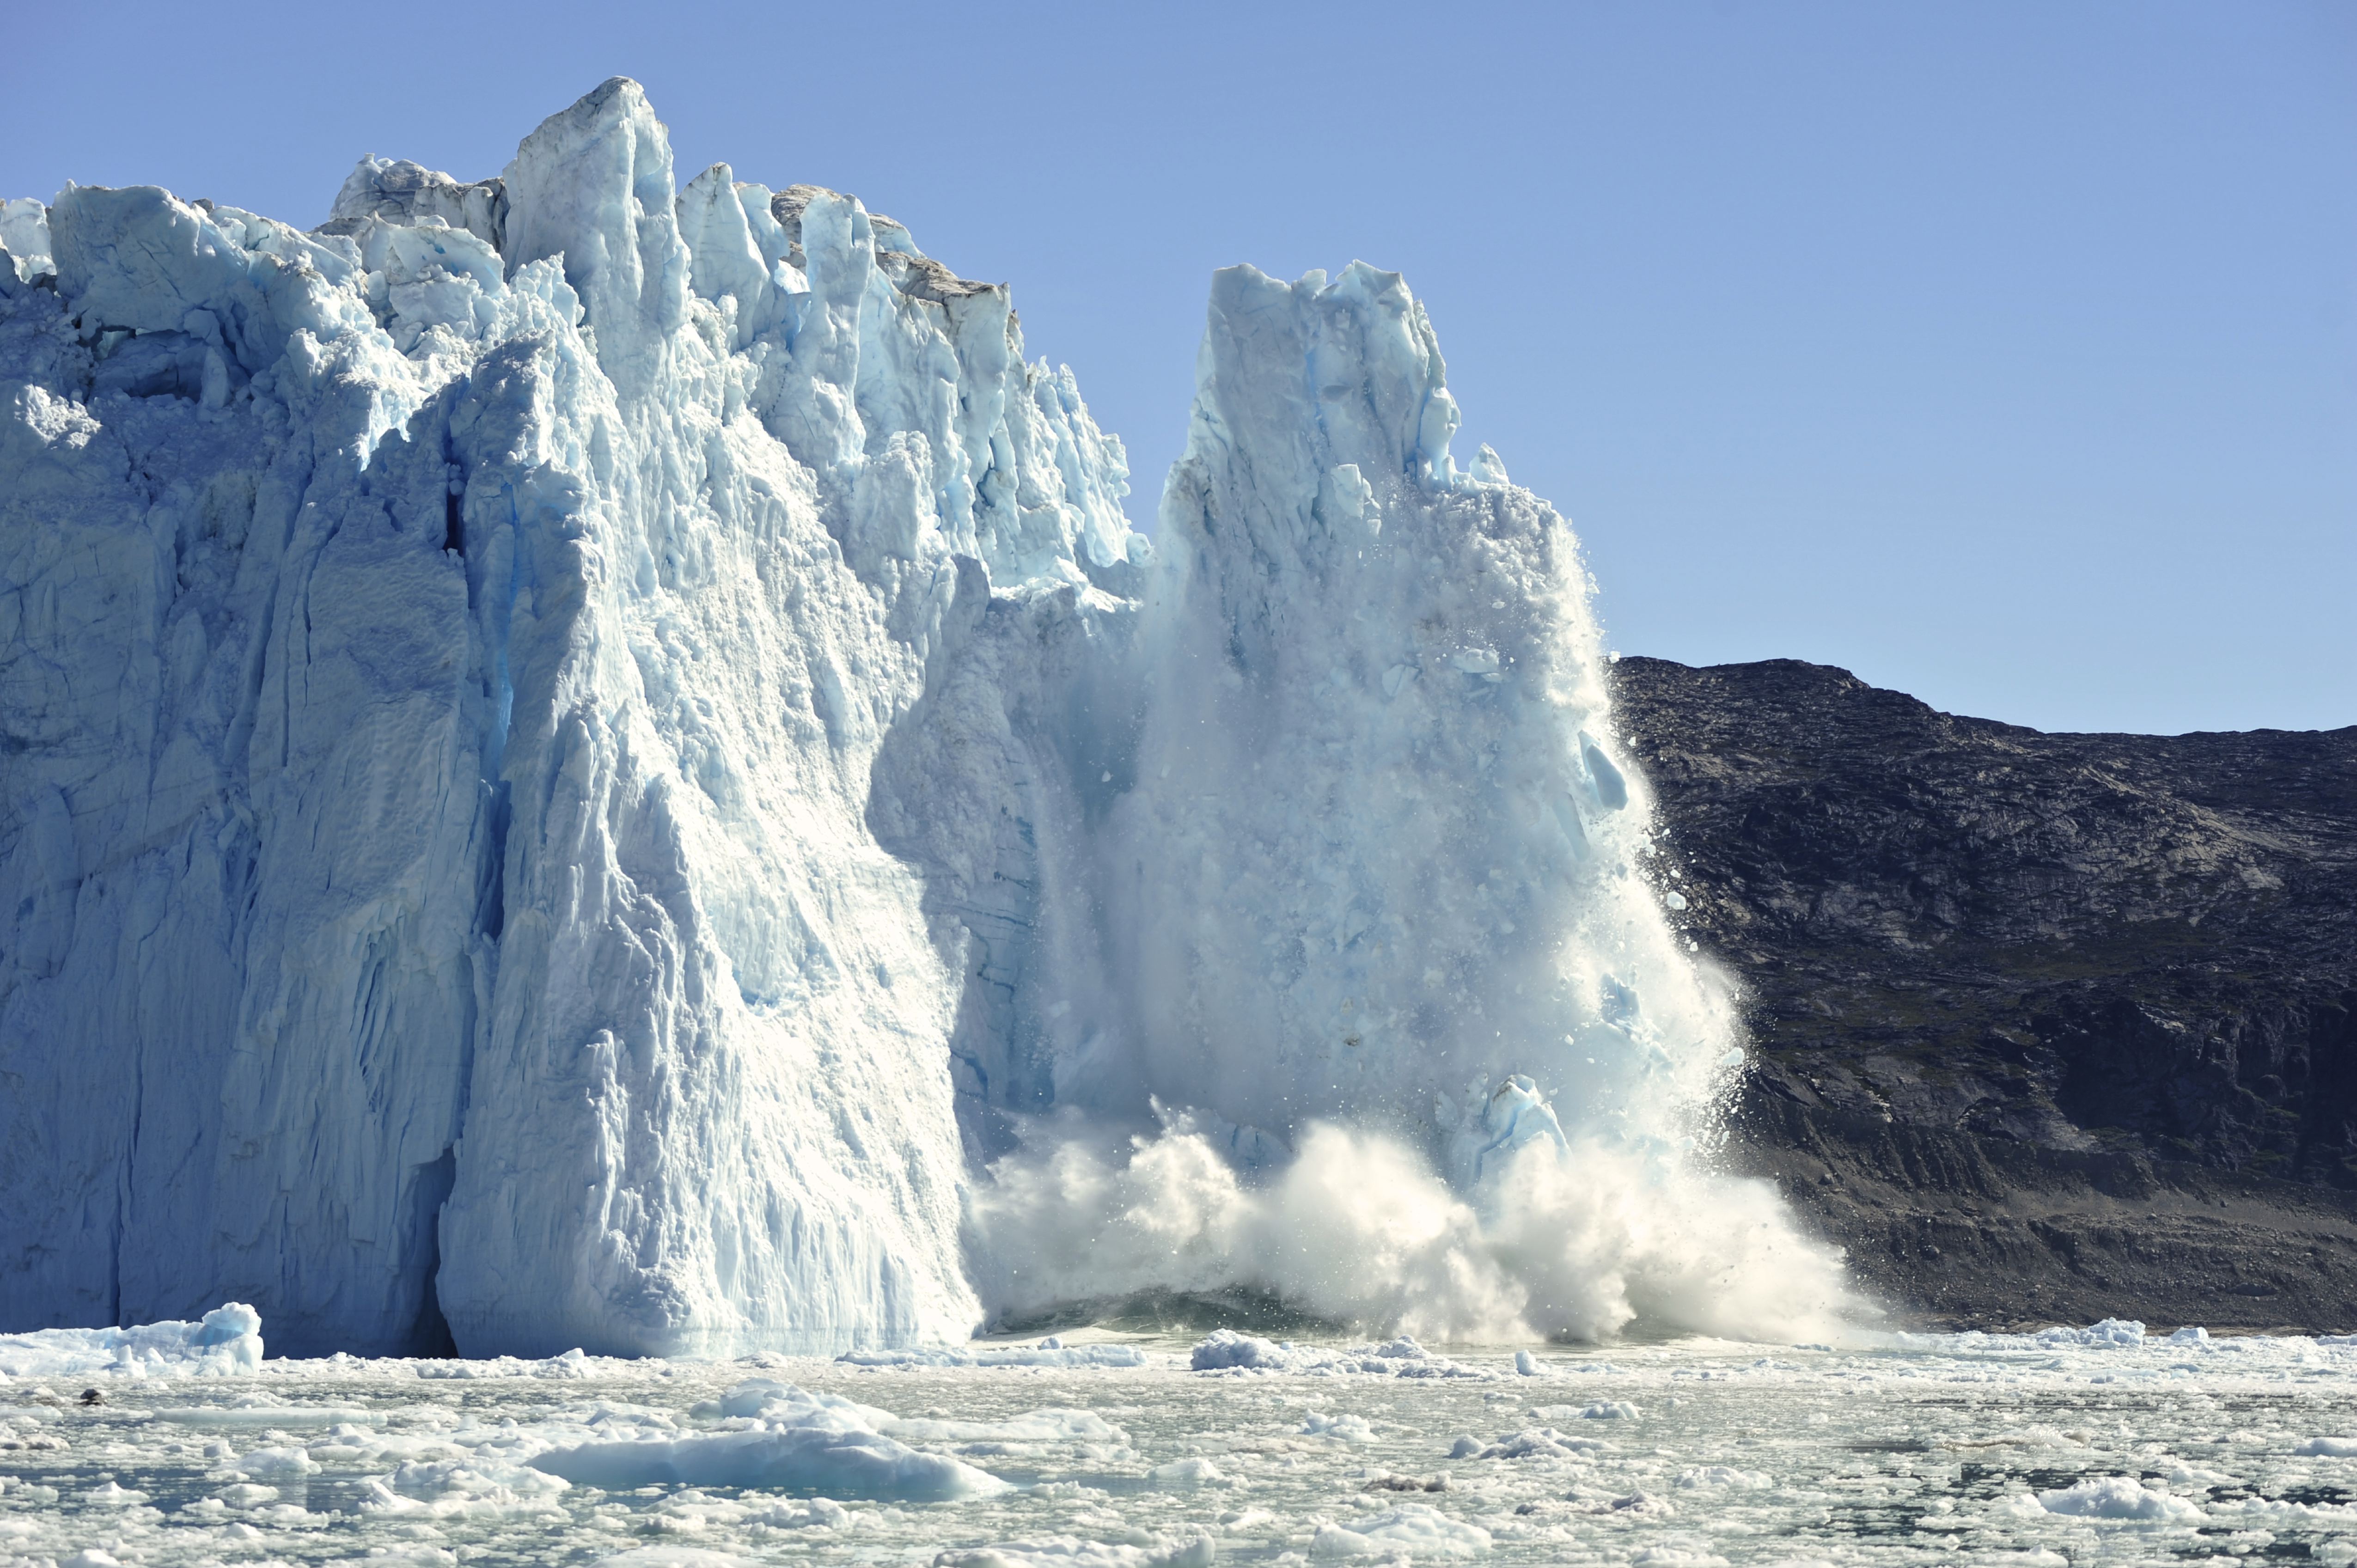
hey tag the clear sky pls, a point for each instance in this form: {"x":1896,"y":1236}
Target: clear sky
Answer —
{"x":2002,"y":353}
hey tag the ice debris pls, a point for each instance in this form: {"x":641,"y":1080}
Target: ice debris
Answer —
{"x":1195,"y":1549}
{"x":1415,"y":1530}
{"x":1229,"y":1350}
{"x":1048,"y":1353}
{"x":227,"y":1341}
{"x":2118,"y":1497}
{"x":797,"y":1441}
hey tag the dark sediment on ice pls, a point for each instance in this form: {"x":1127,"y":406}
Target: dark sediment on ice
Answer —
{"x":2045,"y":1028}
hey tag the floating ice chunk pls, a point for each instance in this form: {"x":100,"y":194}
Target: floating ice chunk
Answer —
{"x":1527,"y":1365}
{"x":2120,"y":1498}
{"x":477,"y":1487}
{"x":2182,"y":1477}
{"x":271,"y":1462}
{"x":1063,"y":1356}
{"x":817,"y":1442}
{"x":769,"y":1400}
{"x":1419,"y":1530}
{"x":1705,"y":1477}
{"x":2329,"y":1447}
{"x":270,"y":1415}
{"x":2189,"y":1337}
{"x":2111,"y":1331}
{"x":671,"y":1557}
{"x":1538,"y":1442}
{"x":811,"y":1513}
{"x":1069,"y":1552}
{"x":1344,"y":1428}
{"x":1224,"y":1348}
{"x":1186,"y":1475}
{"x":227,"y":1341}
{"x":1031,"y":1426}
{"x":840,"y":1461}
{"x":1006,"y":1356}
{"x":1611,"y":1410}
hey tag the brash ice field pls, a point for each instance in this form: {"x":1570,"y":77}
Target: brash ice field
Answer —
{"x":2094,"y":1445}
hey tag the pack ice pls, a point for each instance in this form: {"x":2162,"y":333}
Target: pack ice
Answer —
{"x":595,"y":764}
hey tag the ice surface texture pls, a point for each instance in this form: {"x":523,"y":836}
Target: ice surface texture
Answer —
{"x":585,"y":760}
{"x":440,"y":703}
{"x":1990,"y":1448}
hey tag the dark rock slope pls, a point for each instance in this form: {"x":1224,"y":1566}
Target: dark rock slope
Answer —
{"x":2046,"y":1027}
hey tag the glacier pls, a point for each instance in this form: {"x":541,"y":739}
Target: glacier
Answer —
{"x":586,"y":762}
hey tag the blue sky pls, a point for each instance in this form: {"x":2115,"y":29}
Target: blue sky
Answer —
{"x":2004,"y":353}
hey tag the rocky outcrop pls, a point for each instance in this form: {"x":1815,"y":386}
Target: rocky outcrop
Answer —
{"x":2045,"y":1026}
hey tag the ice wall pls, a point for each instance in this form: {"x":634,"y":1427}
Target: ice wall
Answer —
{"x":445,"y":660}
{"x":595,"y":763}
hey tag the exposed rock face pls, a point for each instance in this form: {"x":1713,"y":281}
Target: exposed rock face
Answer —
{"x":2047,"y":1027}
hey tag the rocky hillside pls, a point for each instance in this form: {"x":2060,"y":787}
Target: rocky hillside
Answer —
{"x":2047,"y":1027}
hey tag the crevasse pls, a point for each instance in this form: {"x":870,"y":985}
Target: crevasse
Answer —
{"x":590,"y":763}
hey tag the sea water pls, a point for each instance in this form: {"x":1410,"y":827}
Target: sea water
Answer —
{"x":2102,"y":1445}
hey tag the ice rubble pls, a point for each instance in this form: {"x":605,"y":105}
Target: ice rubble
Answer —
{"x":223,"y":1343}
{"x":586,"y":756}
{"x":1226,"y":1350}
{"x":1418,"y":1530}
{"x":1048,"y":1353}
{"x":816,"y":1450}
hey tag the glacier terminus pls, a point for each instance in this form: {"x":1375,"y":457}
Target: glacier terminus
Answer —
{"x":586,"y":762}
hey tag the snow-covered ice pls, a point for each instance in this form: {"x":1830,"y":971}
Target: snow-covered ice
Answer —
{"x":596,"y":763}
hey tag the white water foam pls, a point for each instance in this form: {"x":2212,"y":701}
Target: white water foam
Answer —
{"x":1383,"y":938}
{"x":1357,"y":1228}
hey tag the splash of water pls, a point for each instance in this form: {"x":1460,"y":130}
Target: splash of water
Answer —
{"x":1574,"y":1242}
{"x":1376,"y":907}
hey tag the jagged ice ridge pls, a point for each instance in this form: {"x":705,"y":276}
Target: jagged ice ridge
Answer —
{"x":588,"y":763}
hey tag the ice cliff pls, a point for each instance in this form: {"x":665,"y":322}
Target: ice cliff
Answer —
{"x":590,"y":763}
